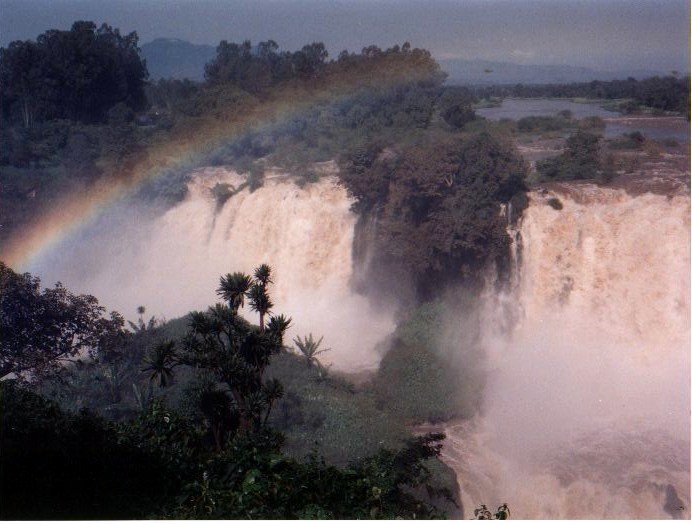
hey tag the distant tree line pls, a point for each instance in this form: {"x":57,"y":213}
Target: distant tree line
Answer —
{"x":668,"y":93}
{"x":256,"y":69}
{"x":78,"y":75}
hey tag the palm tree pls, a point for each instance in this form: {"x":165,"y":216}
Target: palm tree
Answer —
{"x":278,"y":325}
{"x":141,"y":325}
{"x":263,"y":275}
{"x":260,"y":302}
{"x":310,"y":349}
{"x":233,"y":288}
{"x":161,"y":362}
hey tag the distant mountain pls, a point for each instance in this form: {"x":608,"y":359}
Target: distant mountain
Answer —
{"x":173,"y":58}
{"x":486,"y":72}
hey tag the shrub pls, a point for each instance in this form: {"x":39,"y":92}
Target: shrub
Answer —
{"x":255,"y":178}
{"x":221,"y":193}
{"x":306,"y":177}
{"x":581,"y":160}
{"x":61,"y":466}
{"x":670,"y":142}
{"x":417,"y":385}
{"x":555,"y":203}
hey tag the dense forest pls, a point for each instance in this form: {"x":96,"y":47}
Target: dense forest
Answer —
{"x":211,"y":415}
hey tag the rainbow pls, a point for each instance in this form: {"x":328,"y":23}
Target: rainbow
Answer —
{"x":77,"y":211}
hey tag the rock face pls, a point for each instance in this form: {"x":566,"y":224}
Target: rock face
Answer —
{"x":586,"y":413}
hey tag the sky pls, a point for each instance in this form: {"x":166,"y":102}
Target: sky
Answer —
{"x":600,"y":34}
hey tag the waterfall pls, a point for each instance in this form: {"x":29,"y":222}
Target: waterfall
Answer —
{"x":586,"y":407}
{"x":171,"y":263}
{"x":586,"y":410}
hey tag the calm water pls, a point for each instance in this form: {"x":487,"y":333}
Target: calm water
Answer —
{"x":616,"y":125}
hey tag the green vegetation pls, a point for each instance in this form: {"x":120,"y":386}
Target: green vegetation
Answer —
{"x":87,"y":74}
{"x":581,"y":160}
{"x":662,"y":94}
{"x":630,"y":141}
{"x":559,"y":124}
{"x":39,"y":330}
{"x":58,"y":465}
{"x":591,"y":123}
{"x":542,"y":124}
{"x":424,"y":379}
{"x":483,"y":513}
{"x":328,"y":413}
{"x":215,"y":452}
{"x":438,"y":216}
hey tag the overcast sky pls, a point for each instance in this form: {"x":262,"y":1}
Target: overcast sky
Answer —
{"x":602,"y":34}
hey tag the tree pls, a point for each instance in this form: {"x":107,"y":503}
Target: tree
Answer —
{"x":581,"y":160}
{"x":141,"y":325}
{"x":233,"y":352}
{"x":233,"y":289}
{"x":260,"y":302}
{"x":438,"y":217}
{"x":161,"y":361}
{"x":309,"y":62}
{"x":310,"y":349}
{"x":78,"y":74}
{"x":39,"y":330}
{"x":456,"y":106}
{"x":459,"y":115}
{"x":66,"y":465}
{"x":263,"y":275}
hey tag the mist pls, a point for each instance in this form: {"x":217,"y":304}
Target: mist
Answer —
{"x":585,"y":411}
{"x":170,"y":262}
{"x":582,"y":364}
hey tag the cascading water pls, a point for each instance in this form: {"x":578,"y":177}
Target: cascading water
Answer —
{"x":587,"y":407}
{"x":172,"y":263}
{"x":586,"y":410}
